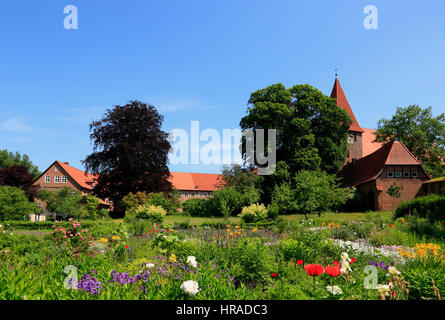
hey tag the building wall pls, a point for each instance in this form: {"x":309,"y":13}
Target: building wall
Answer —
{"x":194,"y":194}
{"x":355,"y":145}
{"x":53,"y":171}
{"x":409,"y":189}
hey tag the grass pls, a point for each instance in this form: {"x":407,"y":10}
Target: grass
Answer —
{"x":323,"y":218}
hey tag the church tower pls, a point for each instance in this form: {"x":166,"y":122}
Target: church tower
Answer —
{"x":355,"y":150}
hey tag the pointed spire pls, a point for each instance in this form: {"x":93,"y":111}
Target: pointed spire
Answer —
{"x":342,"y":102}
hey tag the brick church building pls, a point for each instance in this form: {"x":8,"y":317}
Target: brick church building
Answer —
{"x":373,"y":167}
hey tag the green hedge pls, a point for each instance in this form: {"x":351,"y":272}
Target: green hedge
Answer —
{"x":431,"y":207}
{"x":41,"y":225}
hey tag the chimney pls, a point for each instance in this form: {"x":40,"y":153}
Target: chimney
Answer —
{"x":67,"y":163}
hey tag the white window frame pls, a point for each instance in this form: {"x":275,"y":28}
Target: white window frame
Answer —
{"x":398,"y":174}
{"x":406,"y":174}
{"x":56,"y":179}
{"x":414,"y":174}
{"x":47,"y":179}
{"x":390,"y":174}
{"x":63,"y":179}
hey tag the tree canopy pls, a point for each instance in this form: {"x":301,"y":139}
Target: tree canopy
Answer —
{"x":421,"y":132}
{"x":9,"y":159}
{"x":311,"y":129}
{"x":19,"y":176}
{"x":130,"y":152}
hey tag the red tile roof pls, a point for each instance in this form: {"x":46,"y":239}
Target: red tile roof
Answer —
{"x":368,"y":146}
{"x":82,"y":178}
{"x":180,"y":180}
{"x":369,"y":167}
{"x":342,"y":102}
{"x":194,"y":181}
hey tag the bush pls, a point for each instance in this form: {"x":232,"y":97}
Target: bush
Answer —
{"x":254,"y":213}
{"x":252,"y":262}
{"x":309,"y":192}
{"x":14,"y":205}
{"x":196,"y":207}
{"x":66,"y":200}
{"x":154,"y":214}
{"x":431,"y":207}
{"x":169,"y":203}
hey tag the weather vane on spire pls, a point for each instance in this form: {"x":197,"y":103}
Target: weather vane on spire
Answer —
{"x":336,"y":72}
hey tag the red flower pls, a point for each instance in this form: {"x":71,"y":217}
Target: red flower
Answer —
{"x":126,"y":246}
{"x":394,"y":295}
{"x":314,"y":269}
{"x":353,"y":260}
{"x":336,"y":263}
{"x":299,"y":262}
{"x":390,"y":225}
{"x":274,"y":275}
{"x":333,"y":271}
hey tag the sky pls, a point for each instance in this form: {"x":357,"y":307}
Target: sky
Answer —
{"x":199,"y":60}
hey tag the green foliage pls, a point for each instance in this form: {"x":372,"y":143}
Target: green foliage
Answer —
{"x":66,"y":200}
{"x":311,"y":129}
{"x":309,"y":192}
{"x":252,"y":261}
{"x":421,"y":132}
{"x":14,"y":205}
{"x":154,"y":214}
{"x":254,"y":213}
{"x":196,"y":207}
{"x":170,"y":203}
{"x":430,"y":207}
{"x":9,"y":159}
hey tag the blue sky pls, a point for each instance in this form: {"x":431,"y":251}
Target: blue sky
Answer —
{"x":201,"y":59}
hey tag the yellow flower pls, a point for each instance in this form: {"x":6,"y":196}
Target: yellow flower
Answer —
{"x":172,"y":258}
{"x":255,"y":229}
{"x":103,"y":240}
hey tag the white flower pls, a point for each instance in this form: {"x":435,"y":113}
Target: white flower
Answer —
{"x":383,"y":289}
{"x":334,"y":290}
{"x":190,"y":287}
{"x":191,"y":260}
{"x":345,"y":257}
{"x":150,"y":265}
{"x":392,"y":270}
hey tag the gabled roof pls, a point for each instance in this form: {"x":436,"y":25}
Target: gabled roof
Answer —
{"x":82,"y":178}
{"x":194,"y":181}
{"x":368,"y":146}
{"x":342,"y":102}
{"x":368,"y":168}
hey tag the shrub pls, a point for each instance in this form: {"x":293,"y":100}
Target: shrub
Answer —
{"x":66,"y":200}
{"x":14,"y":205}
{"x":74,"y":236}
{"x":154,"y":214}
{"x":254,"y":213}
{"x":252,"y":262}
{"x":430,"y":207}
{"x":169,"y":203}
{"x":196,"y":207}
{"x":309,"y":192}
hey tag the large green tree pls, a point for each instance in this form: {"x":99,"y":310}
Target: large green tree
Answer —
{"x":130,"y":152}
{"x":421,"y":132}
{"x":311,"y":130}
{"x":10,"y":159}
